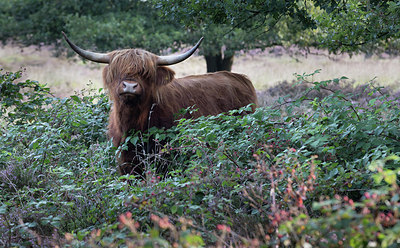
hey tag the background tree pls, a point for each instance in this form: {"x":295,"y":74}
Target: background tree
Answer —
{"x":228,"y":26}
{"x":100,"y":25}
{"x":109,"y":25}
{"x":338,"y":25}
{"x":222,"y":41}
{"x":367,"y":26}
{"x":231,"y":26}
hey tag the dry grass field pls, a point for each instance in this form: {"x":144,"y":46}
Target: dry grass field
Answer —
{"x":265,"y":69}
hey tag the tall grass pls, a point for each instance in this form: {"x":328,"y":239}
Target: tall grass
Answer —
{"x":265,"y":69}
{"x":63,"y":76}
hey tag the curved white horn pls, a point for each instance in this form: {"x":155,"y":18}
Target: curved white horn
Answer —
{"x":174,"y":59}
{"x":95,"y":57}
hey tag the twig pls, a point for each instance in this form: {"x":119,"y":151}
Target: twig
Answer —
{"x":344,"y":98}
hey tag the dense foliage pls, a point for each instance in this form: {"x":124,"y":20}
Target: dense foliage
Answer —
{"x":99,"y":25}
{"x":308,"y":170}
{"x":368,"y":26}
{"x":228,"y":26}
{"x":339,"y":25}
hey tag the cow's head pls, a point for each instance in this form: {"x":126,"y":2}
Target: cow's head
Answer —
{"x":132,"y":74}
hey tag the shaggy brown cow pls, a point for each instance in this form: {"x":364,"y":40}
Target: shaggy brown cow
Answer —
{"x":145,"y":94}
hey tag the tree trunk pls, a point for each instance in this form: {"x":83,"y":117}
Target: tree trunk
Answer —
{"x":217,"y":63}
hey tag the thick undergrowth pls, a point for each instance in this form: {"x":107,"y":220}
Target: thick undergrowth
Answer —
{"x":319,"y":167}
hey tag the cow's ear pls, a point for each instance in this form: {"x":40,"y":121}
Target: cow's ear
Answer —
{"x":164,"y":75}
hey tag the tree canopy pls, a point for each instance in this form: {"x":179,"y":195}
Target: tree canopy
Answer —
{"x":100,"y":25}
{"x":240,"y":25}
{"x":228,"y":26}
{"x":368,"y":26}
{"x":338,"y":25}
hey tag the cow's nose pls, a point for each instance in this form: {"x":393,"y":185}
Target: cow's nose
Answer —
{"x":129,"y":87}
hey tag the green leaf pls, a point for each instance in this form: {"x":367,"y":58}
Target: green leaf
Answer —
{"x":194,"y":240}
{"x":81,"y":235}
{"x":372,"y":101}
{"x":3,"y":209}
{"x":390,"y":177}
{"x":174,"y":209}
{"x":154,"y":233}
{"x":134,"y":140}
{"x":76,"y":99}
{"x":198,"y":153}
{"x":35,"y":143}
{"x":180,"y":210}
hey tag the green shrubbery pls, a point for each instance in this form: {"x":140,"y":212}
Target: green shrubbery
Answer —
{"x":310,"y":170}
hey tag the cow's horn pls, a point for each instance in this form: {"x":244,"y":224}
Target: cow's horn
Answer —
{"x":174,"y":59}
{"x":96,"y":57}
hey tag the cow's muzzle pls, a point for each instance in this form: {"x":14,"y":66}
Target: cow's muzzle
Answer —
{"x":129,"y":88}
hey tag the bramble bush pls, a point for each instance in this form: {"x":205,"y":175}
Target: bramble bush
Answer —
{"x":309,"y":170}
{"x":55,"y":162}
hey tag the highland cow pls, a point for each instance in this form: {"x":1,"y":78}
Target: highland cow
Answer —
{"x":146,"y":94}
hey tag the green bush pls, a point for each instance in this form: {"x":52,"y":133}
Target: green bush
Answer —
{"x":304,"y":171}
{"x":56,"y":166}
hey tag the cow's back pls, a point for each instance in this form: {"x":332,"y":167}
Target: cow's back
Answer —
{"x":210,"y":94}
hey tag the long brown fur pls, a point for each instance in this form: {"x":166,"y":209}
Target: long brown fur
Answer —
{"x":164,"y":96}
